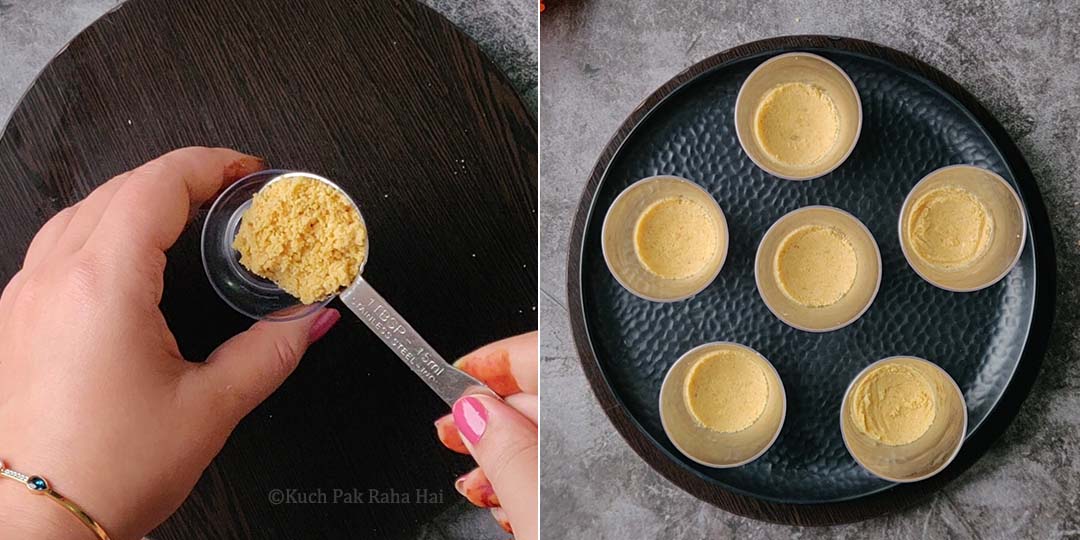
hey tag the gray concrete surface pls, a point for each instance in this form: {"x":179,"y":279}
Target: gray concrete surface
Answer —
{"x":33,"y":31}
{"x":600,"y":58}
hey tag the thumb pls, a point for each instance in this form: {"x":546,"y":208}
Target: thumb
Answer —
{"x":503,"y":442}
{"x":247,"y":368}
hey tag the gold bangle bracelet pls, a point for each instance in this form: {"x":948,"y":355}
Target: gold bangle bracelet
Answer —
{"x":40,"y":486}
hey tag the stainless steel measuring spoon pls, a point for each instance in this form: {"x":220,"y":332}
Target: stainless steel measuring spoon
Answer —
{"x":374,"y":311}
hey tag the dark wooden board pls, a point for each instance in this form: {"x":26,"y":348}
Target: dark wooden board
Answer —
{"x":388,"y":99}
{"x":616,"y":394}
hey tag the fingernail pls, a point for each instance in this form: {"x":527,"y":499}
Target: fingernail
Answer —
{"x":241,"y":168}
{"x":448,"y":434}
{"x":470,"y":416}
{"x":475,"y":487}
{"x":502,"y":519}
{"x":323,"y":323}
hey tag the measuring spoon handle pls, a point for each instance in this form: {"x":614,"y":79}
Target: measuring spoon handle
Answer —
{"x":447,"y":381}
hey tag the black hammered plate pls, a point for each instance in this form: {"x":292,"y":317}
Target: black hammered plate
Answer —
{"x":911,"y":126}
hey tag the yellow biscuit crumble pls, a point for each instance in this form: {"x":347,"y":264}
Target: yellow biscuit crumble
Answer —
{"x":950,"y":228}
{"x":894,"y":404}
{"x":303,"y":235}
{"x":816,"y":266}
{"x":797,"y":124}
{"x":675,"y":238}
{"x":726,"y":391}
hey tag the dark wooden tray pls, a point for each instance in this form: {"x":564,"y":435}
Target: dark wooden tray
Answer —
{"x":388,"y":99}
{"x":916,"y":119}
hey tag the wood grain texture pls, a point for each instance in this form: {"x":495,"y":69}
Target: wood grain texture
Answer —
{"x":891,"y":499}
{"x":384,"y":97}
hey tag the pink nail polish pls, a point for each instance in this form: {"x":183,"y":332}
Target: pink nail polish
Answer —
{"x":470,"y":416}
{"x":323,"y":323}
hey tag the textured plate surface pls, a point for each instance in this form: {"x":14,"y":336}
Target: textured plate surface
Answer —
{"x":911,"y":126}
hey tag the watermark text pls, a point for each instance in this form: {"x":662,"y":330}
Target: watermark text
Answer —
{"x":354,"y":496}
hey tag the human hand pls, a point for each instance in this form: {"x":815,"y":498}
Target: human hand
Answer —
{"x":500,"y":435}
{"x":94,"y":394}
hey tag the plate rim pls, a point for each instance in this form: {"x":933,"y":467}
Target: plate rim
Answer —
{"x":891,"y":498}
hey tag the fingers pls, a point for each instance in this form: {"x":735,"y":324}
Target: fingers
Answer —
{"x":503,"y":442}
{"x":507,"y":367}
{"x":47,"y":237}
{"x":66,"y":231}
{"x":526,"y":404}
{"x":449,"y":435}
{"x":500,"y":517}
{"x":157,"y":193}
{"x":475,"y":487}
{"x":151,"y":208}
{"x":246,"y":369}
{"x":88,"y":215}
{"x":11,"y":290}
